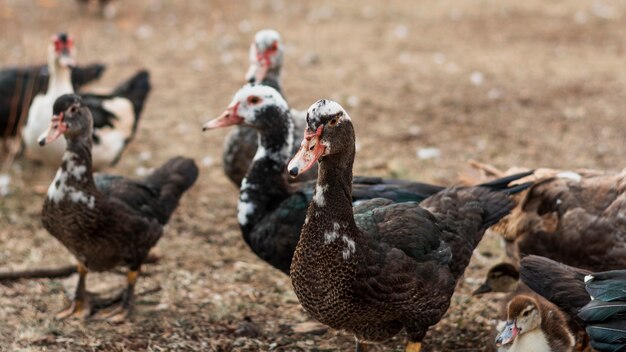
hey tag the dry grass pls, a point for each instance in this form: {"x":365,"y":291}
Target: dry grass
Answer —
{"x":530,"y":83}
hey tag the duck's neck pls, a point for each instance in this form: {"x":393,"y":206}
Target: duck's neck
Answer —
{"x":74,"y":180}
{"x":60,"y":80}
{"x":330,"y":224}
{"x":265,"y":185}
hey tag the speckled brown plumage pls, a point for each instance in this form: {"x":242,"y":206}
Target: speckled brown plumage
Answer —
{"x":574,"y":217}
{"x":111,"y":220}
{"x":380,"y":267}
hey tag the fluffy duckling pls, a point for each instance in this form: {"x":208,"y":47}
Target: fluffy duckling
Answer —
{"x":595,"y":301}
{"x":503,"y":277}
{"x":534,"y":325}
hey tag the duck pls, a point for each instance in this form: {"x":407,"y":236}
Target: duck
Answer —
{"x":571,"y":216}
{"x":534,"y":324}
{"x":502,"y":277}
{"x":240,"y":145}
{"x":271,"y":211}
{"x":595,"y":300}
{"x":380,"y":267}
{"x":116,"y":115}
{"x":18,"y":86}
{"x":107,"y":220}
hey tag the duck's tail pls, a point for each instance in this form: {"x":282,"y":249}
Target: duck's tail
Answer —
{"x":82,"y":75}
{"x":172,"y":179}
{"x":466,"y":212}
{"x":136,"y":90}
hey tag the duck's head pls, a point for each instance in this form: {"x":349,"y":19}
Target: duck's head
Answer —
{"x":70,"y":117}
{"x":253,"y":105}
{"x":503,"y":277}
{"x":329,"y":131}
{"x":266,"y":56}
{"x":523,"y":316}
{"x":61,"y":51}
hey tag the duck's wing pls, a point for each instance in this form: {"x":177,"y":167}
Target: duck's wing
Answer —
{"x":405,"y":251}
{"x":156,"y":196}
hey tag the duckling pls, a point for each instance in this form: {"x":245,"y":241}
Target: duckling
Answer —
{"x":596,"y":301}
{"x":503,"y":277}
{"x":534,"y":325}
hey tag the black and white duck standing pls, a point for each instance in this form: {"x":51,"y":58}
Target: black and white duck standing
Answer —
{"x":107,"y":220}
{"x":19,"y":85}
{"x":240,"y":145}
{"x":380,"y":267}
{"x":271,"y":211}
{"x":115,"y":115}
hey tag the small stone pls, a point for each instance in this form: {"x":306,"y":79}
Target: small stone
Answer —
{"x":428,"y":153}
{"x":477,"y":78}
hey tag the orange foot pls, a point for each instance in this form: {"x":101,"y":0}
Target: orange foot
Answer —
{"x":413,"y":347}
{"x":78,"y":309}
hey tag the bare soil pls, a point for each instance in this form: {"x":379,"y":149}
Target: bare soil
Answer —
{"x":529,"y":83}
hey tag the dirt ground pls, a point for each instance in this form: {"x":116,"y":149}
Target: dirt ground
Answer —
{"x":528,"y":83}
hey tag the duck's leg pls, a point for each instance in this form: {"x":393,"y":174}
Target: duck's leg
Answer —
{"x":362,"y":346}
{"x":123,"y":311}
{"x":80,"y":306}
{"x":413,"y":347}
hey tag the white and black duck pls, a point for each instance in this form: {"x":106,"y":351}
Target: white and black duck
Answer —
{"x":271,"y":211}
{"x":240,"y":145}
{"x":19,"y":85}
{"x":105,"y":221}
{"x":116,"y":115}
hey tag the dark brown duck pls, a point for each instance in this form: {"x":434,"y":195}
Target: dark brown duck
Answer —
{"x":109,"y":220}
{"x":379,"y":267}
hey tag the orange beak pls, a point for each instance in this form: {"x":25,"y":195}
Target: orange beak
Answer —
{"x":310,"y":151}
{"x":228,"y":118}
{"x":55,"y":130}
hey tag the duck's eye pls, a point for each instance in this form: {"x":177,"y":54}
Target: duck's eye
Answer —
{"x":333,"y":122}
{"x":73,"y":109}
{"x":253,"y":100}
{"x":525,"y":314}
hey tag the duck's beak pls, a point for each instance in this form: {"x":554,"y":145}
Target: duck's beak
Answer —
{"x":55,"y":130}
{"x":508,"y":334}
{"x":484,"y":288}
{"x":228,"y":118}
{"x":261,"y":71}
{"x":310,"y":151}
{"x":66,"y":60}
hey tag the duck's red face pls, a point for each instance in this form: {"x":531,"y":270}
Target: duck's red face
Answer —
{"x":328,"y":131}
{"x":63,"y":46}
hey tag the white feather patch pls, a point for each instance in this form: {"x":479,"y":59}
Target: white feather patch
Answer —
{"x":318,"y":198}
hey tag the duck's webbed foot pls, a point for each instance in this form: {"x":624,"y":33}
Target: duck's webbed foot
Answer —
{"x":124,"y":307}
{"x":413,"y":347}
{"x":81,"y":304}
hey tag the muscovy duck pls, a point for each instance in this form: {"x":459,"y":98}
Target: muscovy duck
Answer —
{"x":381,"y":267}
{"x":596,"y":300}
{"x":573,"y":217}
{"x":240,"y":145}
{"x":19,"y":85}
{"x":115,"y":115}
{"x":534,"y":324}
{"x":109,"y":220}
{"x":271,"y":211}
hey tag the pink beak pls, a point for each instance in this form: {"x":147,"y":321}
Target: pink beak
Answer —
{"x":55,"y":130}
{"x":228,"y":118}
{"x":310,"y":151}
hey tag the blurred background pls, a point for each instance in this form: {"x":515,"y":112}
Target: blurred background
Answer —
{"x":429,"y":85}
